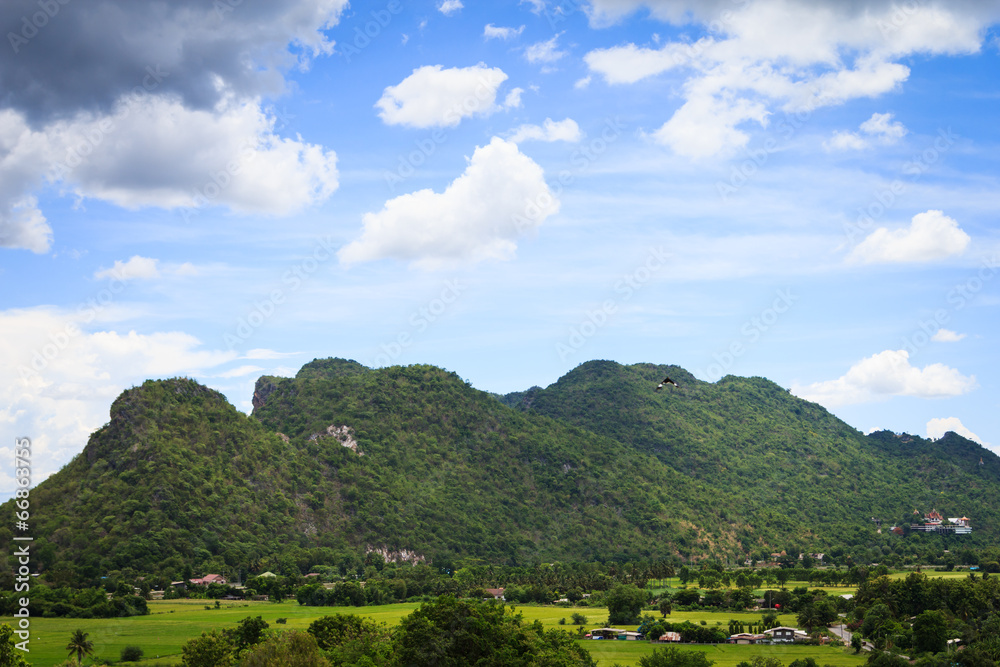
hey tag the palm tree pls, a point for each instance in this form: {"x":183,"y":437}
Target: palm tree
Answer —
{"x":79,"y":645}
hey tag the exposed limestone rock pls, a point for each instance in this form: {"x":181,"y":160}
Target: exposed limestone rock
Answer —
{"x":395,"y":556}
{"x":344,"y":434}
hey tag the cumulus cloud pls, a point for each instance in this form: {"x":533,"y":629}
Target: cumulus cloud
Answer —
{"x":705,"y":126}
{"x":501,"y":196}
{"x":65,"y":367}
{"x":930,"y":236}
{"x":544,"y":52}
{"x":845,"y":141}
{"x":780,"y":55}
{"x":550,"y":130}
{"x":946,"y":336}
{"x":879,"y":127}
{"x":201,"y":53}
{"x":630,"y":63}
{"x":436,"y":97}
{"x":449,"y":7}
{"x":937,"y":427}
{"x":887,"y":374}
{"x":155,"y":152}
{"x":169,"y":117}
{"x":136,"y":268}
{"x":495,"y":32}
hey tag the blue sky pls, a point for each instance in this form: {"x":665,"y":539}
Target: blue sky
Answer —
{"x":805,"y":191}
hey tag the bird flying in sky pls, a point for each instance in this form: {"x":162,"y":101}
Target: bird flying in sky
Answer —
{"x":666,"y":381}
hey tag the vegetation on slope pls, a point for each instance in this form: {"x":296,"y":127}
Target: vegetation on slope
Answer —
{"x":414,"y":464}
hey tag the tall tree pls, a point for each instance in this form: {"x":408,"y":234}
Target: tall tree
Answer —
{"x":79,"y":645}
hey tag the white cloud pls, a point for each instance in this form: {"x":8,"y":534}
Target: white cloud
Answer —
{"x":931,"y":235}
{"x":946,"y":336}
{"x":240,"y":371}
{"x":156,"y":152}
{"x":705,"y":126}
{"x":845,"y":141}
{"x":63,"y":376}
{"x":550,"y":130}
{"x":630,"y":63}
{"x":449,"y":7}
{"x":513,"y":99}
{"x":789,"y":55}
{"x":582,"y":83}
{"x":495,"y":32}
{"x":886,"y":374}
{"x":22,"y":170}
{"x":501,"y":196}
{"x":159,"y":153}
{"x":879,"y":127}
{"x":141,"y":268}
{"x":544,"y":52}
{"x":76,"y":116}
{"x":436,"y":97}
{"x":937,"y":427}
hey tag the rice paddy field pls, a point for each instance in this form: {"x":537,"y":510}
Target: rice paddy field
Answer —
{"x":170,"y":624}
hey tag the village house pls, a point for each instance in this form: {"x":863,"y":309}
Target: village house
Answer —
{"x":784,"y":633}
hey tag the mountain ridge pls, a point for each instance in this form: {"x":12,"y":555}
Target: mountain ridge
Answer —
{"x":342,"y":459}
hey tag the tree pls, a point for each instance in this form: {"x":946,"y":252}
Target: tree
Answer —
{"x":348,"y":639}
{"x":212,"y":649}
{"x":930,"y":632}
{"x":624,"y":603}
{"x":79,"y":645}
{"x":288,"y":649}
{"x":879,"y":623}
{"x":666,"y":605}
{"x":247,"y":633}
{"x":131,"y":653}
{"x":454,"y":633}
{"x":10,"y":655}
{"x":672,"y":656}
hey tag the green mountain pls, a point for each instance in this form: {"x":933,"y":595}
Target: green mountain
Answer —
{"x":789,"y":472}
{"x":413,"y":463}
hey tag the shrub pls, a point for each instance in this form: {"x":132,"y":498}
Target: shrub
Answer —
{"x":131,"y":654}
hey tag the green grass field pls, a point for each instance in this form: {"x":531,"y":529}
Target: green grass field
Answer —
{"x":959,"y":574}
{"x":172,"y":623}
{"x":607,"y":653}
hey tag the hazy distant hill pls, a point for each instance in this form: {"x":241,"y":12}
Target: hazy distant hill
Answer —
{"x":414,"y":462}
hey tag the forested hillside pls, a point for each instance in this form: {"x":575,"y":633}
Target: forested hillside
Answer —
{"x":413,"y":463}
{"x":795,"y":474}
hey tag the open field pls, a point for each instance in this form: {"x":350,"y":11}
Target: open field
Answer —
{"x":931,"y":574}
{"x":607,"y":653}
{"x":172,"y":623}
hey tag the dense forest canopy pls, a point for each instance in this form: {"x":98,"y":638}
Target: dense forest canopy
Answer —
{"x":413,"y":464}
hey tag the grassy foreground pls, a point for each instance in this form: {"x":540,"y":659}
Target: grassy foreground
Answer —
{"x":172,"y":623}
